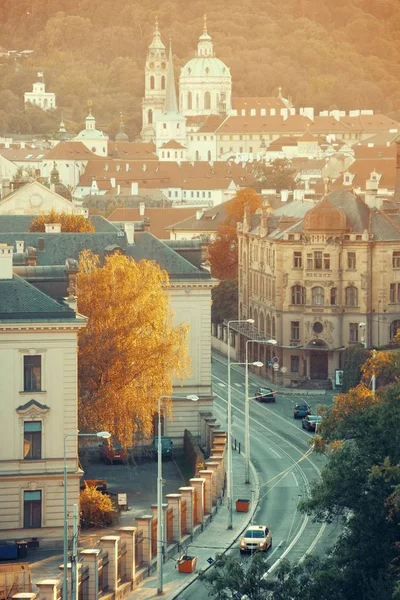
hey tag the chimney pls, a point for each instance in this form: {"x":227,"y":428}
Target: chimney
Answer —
{"x":52,"y":227}
{"x":31,"y":256}
{"x":142,"y":208}
{"x":6,"y":262}
{"x":22,"y":145}
{"x":130,"y":233}
{"x":397,"y":185}
{"x":112,"y":182}
{"x":118,"y":189}
{"x":284,"y":195}
{"x":134,"y":188}
{"x":20,"y":246}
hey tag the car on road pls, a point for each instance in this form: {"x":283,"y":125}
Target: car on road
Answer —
{"x":300,"y":411}
{"x":265,"y":394}
{"x":256,"y":538}
{"x":311,"y":422}
{"x":166,"y":447}
{"x":111,"y":451}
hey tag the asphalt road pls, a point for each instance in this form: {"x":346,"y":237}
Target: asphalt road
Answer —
{"x":279,"y":449}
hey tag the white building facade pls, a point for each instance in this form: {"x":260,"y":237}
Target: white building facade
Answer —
{"x":38,"y":386}
{"x":39,"y":97}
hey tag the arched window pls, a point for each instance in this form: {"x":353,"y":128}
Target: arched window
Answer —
{"x":262,"y":322}
{"x":317,"y":296}
{"x":152,"y":82}
{"x":273,"y":327}
{"x":197,"y":101}
{"x":333,"y":296}
{"x":189,"y":97}
{"x":255,"y":318}
{"x":351,"y":296}
{"x":268,"y":325}
{"x":394,"y":326}
{"x":209,"y":155}
{"x":163,"y":82}
{"x":197,"y":155}
{"x":298,"y":294}
{"x":150,"y":116}
{"x":207,"y":100}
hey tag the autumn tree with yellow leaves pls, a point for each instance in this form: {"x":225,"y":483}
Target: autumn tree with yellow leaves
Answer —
{"x":70,"y":223}
{"x":130,"y":351}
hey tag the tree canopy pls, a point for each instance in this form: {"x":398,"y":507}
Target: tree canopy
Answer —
{"x":223,"y":252}
{"x":277,"y":175}
{"x":70,"y":223}
{"x":130,"y":351}
{"x":323,"y":53}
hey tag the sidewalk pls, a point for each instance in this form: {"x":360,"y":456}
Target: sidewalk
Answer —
{"x":214,"y":539}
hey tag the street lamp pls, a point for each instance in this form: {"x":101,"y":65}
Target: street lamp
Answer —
{"x":160,"y":527}
{"x":229,"y":427}
{"x":99,"y":434}
{"x":247,"y":409}
{"x":230,"y":466}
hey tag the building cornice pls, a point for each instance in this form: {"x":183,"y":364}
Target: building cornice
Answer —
{"x":37,"y":327}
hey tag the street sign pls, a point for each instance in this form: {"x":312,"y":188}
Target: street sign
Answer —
{"x":275,"y":359}
{"x":270,"y":363}
{"x":283,"y":369}
{"x":122,"y":499}
{"x":276,"y":367}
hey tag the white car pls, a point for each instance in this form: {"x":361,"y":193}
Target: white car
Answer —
{"x":256,"y":538}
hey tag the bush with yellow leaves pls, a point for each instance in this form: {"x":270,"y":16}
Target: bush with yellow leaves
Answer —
{"x":97,"y":509}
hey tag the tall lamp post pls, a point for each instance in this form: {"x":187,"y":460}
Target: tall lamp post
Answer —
{"x":247,"y":408}
{"x":99,"y":434}
{"x":229,"y":427}
{"x":230,"y":466}
{"x":160,"y":526}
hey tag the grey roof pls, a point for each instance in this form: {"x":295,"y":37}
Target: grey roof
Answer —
{"x":355,"y":209}
{"x":57,"y":247}
{"x":294,"y":209}
{"x":22,"y":223}
{"x":19,"y":300}
{"x":383,"y":227}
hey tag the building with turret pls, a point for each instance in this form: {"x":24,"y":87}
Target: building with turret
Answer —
{"x":155,"y":85}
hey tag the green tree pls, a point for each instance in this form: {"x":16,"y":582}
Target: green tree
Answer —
{"x":275,"y":176}
{"x":224,"y":301}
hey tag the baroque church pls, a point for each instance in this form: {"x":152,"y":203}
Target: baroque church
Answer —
{"x":205,"y":88}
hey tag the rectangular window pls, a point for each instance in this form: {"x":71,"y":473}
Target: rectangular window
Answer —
{"x":295,"y":364}
{"x":32,"y":509}
{"x":333,"y":296}
{"x":351,"y":260}
{"x":309,"y":261}
{"x":327,"y":262}
{"x":297,"y":260}
{"x":32,"y":373}
{"x":295,"y":331}
{"x":32,"y":440}
{"x":396,"y":260}
{"x":353,"y":333}
{"x":317,"y":260}
{"x":395,"y":292}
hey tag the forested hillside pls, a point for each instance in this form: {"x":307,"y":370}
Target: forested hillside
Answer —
{"x":324,"y":53}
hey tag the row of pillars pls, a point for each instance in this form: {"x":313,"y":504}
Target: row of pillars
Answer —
{"x":203,"y":493}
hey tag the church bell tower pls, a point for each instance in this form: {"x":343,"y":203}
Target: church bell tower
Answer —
{"x":155,"y":85}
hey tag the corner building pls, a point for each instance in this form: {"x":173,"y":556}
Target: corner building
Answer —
{"x":318,"y":285}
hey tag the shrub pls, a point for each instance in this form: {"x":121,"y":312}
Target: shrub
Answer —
{"x":97,"y":509}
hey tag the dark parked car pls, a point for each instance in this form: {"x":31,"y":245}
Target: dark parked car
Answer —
{"x":265,"y":395}
{"x":301,"y":410}
{"x":311,"y":422}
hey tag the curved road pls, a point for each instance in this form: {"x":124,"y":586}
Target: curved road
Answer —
{"x":279,"y":448}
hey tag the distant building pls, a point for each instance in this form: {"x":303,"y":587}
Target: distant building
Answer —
{"x":317,"y":284}
{"x":39,"y":97}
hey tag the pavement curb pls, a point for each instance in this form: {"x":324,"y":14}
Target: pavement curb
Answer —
{"x":256,"y":486}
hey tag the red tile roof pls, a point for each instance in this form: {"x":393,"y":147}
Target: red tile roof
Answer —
{"x":174,"y":145}
{"x":159,"y":218}
{"x":257,"y":103}
{"x":69,"y":151}
{"x":133,"y":150}
{"x":267,"y":124}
